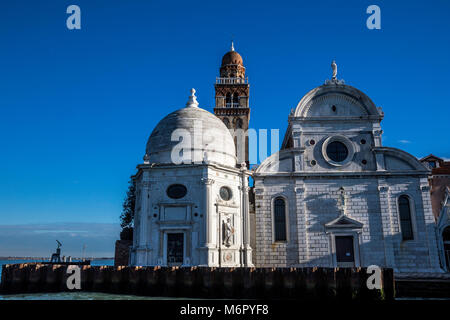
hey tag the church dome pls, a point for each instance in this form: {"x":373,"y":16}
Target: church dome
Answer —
{"x":232,"y":57}
{"x":197,"y":136}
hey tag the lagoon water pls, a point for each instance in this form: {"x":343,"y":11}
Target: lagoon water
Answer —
{"x":70,"y":295}
{"x":76,"y":295}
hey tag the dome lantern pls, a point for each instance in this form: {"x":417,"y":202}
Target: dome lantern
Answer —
{"x":192,"y":102}
{"x":232,"y":64}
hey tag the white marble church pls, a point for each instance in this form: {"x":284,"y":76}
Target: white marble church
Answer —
{"x":332,"y":196}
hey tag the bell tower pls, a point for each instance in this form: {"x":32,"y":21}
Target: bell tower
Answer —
{"x":232,"y":101}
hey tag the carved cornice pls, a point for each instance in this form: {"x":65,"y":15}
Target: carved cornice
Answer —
{"x":334,"y":81}
{"x":299,"y":189}
{"x":231,"y":111}
{"x":244,"y":188}
{"x":207,"y":181}
{"x":221,"y":203}
{"x":259,"y":191}
{"x":377,"y":132}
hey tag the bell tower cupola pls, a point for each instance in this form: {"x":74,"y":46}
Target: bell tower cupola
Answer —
{"x":232,"y":101}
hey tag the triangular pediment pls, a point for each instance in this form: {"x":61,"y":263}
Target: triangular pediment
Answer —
{"x":344,"y":222}
{"x":431,"y":157}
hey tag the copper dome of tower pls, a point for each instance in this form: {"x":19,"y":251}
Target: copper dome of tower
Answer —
{"x":232,"y":57}
{"x":232,"y":65}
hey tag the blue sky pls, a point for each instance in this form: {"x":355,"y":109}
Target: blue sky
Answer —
{"x":77,"y":106}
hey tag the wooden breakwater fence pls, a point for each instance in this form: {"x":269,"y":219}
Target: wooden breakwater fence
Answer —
{"x":202,"y":282}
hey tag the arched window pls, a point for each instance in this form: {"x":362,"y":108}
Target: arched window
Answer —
{"x":239,"y":123}
{"x":226,"y":122}
{"x":235,"y":99}
{"x":228,"y":100}
{"x":405,"y":218}
{"x":279,"y":216}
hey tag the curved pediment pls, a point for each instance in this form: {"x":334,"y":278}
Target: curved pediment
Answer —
{"x":399,"y":160}
{"x":281,"y":161}
{"x":339,"y":101}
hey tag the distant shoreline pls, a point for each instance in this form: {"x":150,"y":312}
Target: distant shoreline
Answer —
{"x":47,"y":258}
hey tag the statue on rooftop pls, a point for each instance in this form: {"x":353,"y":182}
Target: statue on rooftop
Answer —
{"x":334,"y":68}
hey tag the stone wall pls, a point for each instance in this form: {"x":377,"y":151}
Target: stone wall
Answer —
{"x":122,"y":252}
{"x":200,"y":216}
{"x":371,"y":201}
{"x":202,"y":282}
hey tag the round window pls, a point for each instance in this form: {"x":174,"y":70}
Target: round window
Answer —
{"x":176,"y":191}
{"x":337,"y":151}
{"x":225,"y":193}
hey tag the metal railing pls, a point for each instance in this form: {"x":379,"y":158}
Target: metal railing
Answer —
{"x":232,"y":105}
{"x":231,"y":80}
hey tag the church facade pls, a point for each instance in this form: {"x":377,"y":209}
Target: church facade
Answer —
{"x":333,"y":196}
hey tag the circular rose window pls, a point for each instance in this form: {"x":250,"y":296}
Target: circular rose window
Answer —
{"x":225,"y":193}
{"x":176,"y":191}
{"x":338,"y":150}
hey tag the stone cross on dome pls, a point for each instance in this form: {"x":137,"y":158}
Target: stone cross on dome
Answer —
{"x":192,"y":102}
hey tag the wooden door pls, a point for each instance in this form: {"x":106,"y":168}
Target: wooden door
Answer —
{"x":175,"y":249}
{"x":345,"y":256}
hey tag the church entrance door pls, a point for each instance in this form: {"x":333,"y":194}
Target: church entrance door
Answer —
{"x":175,"y":249}
{"x":345,"y":256}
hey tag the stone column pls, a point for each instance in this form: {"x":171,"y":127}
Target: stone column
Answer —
{"x":209,"y":211}
{"x":386,"y":220}
{"x":247,"y":261}
{"x":145,"y":188}
{"x":144,"y":228}
{"x":430,"y":225}
{"x":298,"y":151}
{"x":260,"y":225}
{"x":302,"y":238}
{"x":377,"y":132}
